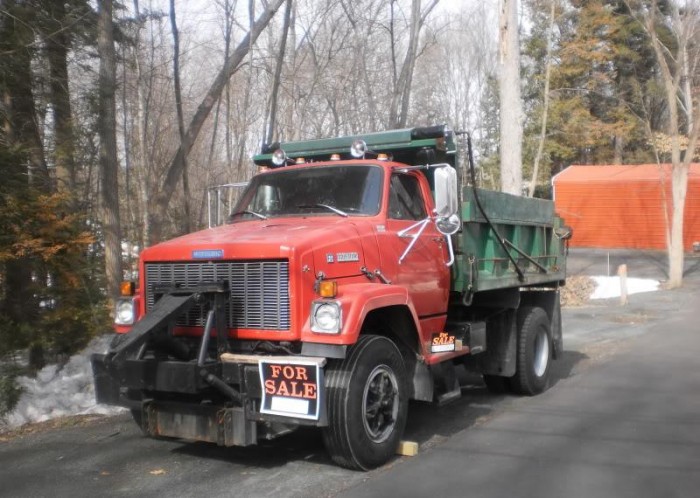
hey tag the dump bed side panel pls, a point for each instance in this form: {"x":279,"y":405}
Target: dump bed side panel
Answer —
{"x":528,"y":228}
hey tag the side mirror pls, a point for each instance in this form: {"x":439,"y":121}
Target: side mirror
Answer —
{"x":448,"y":225}
{"x":446,"y":201}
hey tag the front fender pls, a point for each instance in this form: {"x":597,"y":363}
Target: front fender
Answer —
{"x":357,"y":301}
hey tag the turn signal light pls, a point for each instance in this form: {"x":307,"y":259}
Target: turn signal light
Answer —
{"x":127,"y":288}
{"x":382,"y":157}
{"x":328,"y":288}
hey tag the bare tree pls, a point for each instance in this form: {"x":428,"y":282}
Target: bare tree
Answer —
{"x":673,"y":54}
{"x":545,"y":103}
{"x":240,"y":172}
{"x":402,"y":89}
{"x":511,"y":115}
{"x":57,"y":42}
{"x":177,"y":165}
{"x":180,"y":118}
{"x":144,"y":171}
{"x":272,"y":119}
{"x":108,"y":148}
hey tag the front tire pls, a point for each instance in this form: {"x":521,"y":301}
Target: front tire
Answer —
{"x":367,"y":404}
{"x":534,"y":352}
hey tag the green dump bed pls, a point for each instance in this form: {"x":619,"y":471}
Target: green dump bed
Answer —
{"x":531,"y":232}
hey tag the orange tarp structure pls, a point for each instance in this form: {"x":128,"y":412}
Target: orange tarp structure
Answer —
{"x":622,"y":206}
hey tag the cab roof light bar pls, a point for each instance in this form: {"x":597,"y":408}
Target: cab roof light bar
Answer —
{"x":403,"y":144}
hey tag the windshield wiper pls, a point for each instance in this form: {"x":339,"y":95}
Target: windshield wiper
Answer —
{"x":330,"y":208}
{"x":246,"y":211}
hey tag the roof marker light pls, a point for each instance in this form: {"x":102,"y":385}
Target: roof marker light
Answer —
{"x":279,"y":158}
{"x":358,"y":149}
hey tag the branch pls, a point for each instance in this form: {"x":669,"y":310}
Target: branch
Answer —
{"x":230,"y":67}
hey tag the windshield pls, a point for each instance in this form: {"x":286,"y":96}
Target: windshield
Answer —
{"x":327,"y":190}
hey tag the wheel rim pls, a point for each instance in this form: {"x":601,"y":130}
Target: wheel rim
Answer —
{"x":380,"y":403}
{"x":541,"y":353}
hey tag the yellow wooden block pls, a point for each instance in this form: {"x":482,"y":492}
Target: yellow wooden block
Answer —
{"x":407,"y":448}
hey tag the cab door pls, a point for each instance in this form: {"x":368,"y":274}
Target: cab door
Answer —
{"x":421,"y":269}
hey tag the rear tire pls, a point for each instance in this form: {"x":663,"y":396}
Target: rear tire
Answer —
{"x":367,"y":404}
{"x":534,"y":353}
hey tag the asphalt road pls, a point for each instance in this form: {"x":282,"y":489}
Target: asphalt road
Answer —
{"x":625,"y":425}
{"x":622,"y":419}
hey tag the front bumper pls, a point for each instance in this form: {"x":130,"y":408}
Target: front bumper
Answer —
{"x":175,"y":399}
{"x":219,"y":400}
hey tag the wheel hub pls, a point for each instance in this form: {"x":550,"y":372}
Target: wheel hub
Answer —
{"x":380,"y":403}
{"x":541,"y":353}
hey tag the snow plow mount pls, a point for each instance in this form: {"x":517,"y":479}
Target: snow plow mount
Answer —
{"x":123,"y":366}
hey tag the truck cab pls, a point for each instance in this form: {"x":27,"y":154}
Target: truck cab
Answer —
{"x":340,"y":287}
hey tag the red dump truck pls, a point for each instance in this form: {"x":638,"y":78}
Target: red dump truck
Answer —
{"x":353,"y":275}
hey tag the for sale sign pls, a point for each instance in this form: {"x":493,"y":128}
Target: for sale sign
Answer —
{"x":442,"y":343}
{"x":291,"y":389}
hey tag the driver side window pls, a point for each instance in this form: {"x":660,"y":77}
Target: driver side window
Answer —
{"x":405,"y":198}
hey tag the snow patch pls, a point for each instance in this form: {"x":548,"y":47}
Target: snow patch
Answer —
{"x":609,"y":287}
{"x":58,"y":392}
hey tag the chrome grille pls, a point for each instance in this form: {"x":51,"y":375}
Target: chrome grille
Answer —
{"x":259,"y":290}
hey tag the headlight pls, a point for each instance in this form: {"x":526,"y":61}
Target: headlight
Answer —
{"x":124,"y":312}
{"x":326,"y":317}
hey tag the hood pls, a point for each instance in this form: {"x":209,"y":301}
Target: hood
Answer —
{"x":334,"y":245}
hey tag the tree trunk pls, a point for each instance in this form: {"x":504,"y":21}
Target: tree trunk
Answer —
{"x":176,"y":167}
{"x":545,"y":104}
{"x":686,"y":82}
{"x":406,"y":77}
{"x":21,"y":110}
{"x":109,"y":181}
{"x":401,"y":98}
{"x":272,"y":120}
{"x":180,"y":119}
{"x":143,"y":177}
{"x":511,"y":114}
{"x":57,"y":43}
{"x":25,"y":166}
{"x":240,"y":174}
